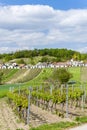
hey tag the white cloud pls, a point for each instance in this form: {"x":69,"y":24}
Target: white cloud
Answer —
{"x":83,"y":50}
{"x":36,"y":26}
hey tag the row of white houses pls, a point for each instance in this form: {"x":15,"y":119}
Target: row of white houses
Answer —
{"x":70,"y":63}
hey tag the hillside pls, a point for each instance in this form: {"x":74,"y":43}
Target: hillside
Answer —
{"x":36,"y":75}
{"x":19,"y":75}
{"x":47,"y":55}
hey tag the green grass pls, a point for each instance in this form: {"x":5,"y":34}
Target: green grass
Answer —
{"x":55,"y":126}
{"x":79,"y":76}
{"x":81,"y":120}
{"x":41,"y":78}
{"x":5,"y":88}
{"x":62,"y":125}
{"x":76,"y":73}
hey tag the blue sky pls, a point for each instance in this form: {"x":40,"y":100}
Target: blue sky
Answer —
{"x":33,"y":24}
{"x":57,"y":4}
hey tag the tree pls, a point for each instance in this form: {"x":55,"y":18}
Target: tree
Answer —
{"x":61,"y":75}
{"x":7,"y":58}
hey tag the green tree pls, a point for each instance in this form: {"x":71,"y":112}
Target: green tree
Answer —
{"x":7,"y":58}
{"x":61,"y":75}
{"x":44,"y":59}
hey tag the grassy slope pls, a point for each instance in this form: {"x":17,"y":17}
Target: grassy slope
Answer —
{"x":39,"y":79}
{"x":13,"y":74}
{"x":8,"y":73}
{"x":24,"y":75}
{"x":48,"y":71}
{"x":76,"y":73}
{"x":29,"y":75}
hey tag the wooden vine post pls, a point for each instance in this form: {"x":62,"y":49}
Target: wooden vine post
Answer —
{"x":66,"y":100}
{"x":28,"y":111}
{"x":51,"y":89}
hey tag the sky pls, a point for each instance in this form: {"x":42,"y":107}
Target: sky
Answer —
{"x":31,"y":24}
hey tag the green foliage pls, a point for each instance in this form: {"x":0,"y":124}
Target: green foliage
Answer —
{"x":20,"y":61}
{"x":59,"y":54}
{"x":32,"y":61}
{"x":81,"y":119}
{"x":7,"y":58}
{"x":62,"y":75}
{"x":55,"y":126}
{"x":19,"y":100}
{"x":42,"y":94}
{"x":76,"y":94}
{"x":48,"y":58}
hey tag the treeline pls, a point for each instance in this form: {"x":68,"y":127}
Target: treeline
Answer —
{"x":58,"y":54}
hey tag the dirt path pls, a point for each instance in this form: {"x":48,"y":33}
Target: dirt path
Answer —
{"x":8,"y":121}
{"x":83,"y":127}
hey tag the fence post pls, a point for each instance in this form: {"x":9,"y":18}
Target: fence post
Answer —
{"x":19,"y":90}
{"x":51,"y":89}
{"x":28,"y":111}
{"x":82,"y":102}
{"x":66,"y":100}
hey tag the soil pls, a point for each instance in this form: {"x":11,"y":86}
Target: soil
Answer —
{"x":8,"y":120}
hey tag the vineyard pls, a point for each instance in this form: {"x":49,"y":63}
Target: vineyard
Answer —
{"x":24,"y":75}
{"x":44,"y":101}
{"x":57,"y":100}
{"x":19,"y":75}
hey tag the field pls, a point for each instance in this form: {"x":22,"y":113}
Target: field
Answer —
{"x":37,"y":79}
